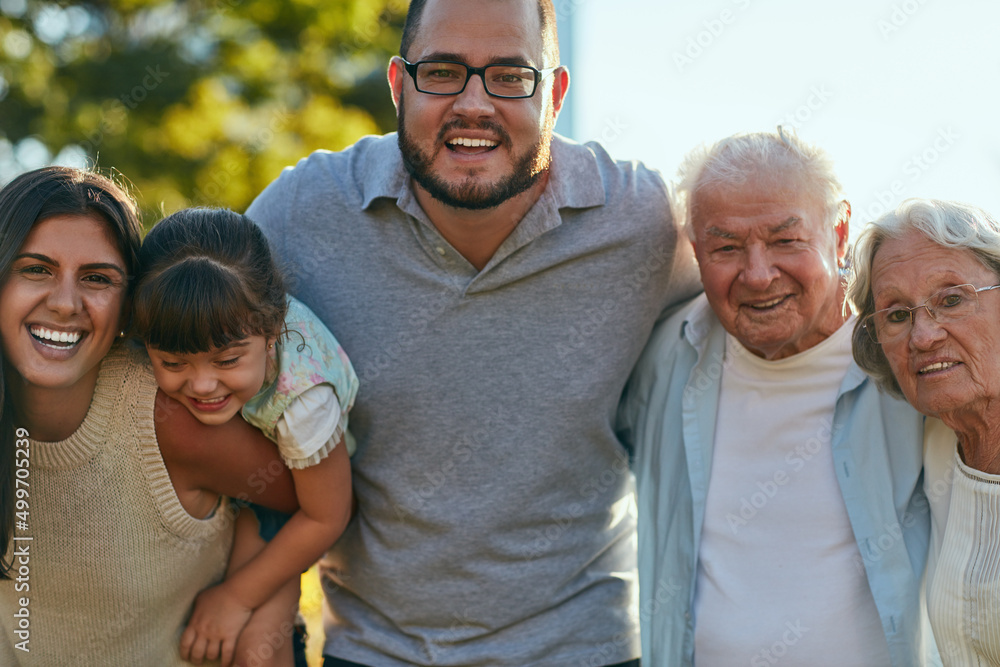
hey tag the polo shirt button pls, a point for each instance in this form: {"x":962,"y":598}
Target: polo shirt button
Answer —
{"x":440,"y":251}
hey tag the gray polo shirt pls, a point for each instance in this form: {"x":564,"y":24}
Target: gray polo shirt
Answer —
{"x":495,"y":520}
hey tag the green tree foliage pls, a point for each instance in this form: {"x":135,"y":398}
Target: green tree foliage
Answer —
{"x":195,"y":103}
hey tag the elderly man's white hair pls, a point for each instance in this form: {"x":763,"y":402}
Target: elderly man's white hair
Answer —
{"x":767,"y":158}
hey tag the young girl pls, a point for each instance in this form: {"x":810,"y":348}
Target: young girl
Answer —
{"x":223,"y":339}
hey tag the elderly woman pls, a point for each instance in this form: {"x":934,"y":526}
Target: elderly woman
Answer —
{"x":925,"y":291}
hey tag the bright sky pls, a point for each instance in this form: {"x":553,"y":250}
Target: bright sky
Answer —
{"x":902,"y":93}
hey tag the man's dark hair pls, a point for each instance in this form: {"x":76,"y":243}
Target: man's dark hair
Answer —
{"x":546,"y":16}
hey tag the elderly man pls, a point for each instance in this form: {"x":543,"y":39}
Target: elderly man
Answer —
{"x":494,"y":286}
{"x":781,"y":511}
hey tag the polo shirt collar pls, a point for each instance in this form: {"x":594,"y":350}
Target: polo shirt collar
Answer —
{"x":383,"y":174}
{"x":574,"y":180}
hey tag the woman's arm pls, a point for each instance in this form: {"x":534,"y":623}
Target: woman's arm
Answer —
{"x":234,"y":459}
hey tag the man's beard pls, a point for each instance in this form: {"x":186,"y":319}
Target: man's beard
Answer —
{"x":472,"y":194}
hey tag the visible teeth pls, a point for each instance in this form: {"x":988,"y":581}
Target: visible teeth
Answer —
{"x":472,"y":143}
{"x":56,"y":336}
{"x":211,"y":400}
{"x":768,"y":304}
{"x":941,"y":365}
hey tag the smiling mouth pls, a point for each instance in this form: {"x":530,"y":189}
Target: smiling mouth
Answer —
{"x":468,"y":146}
{"x":767,"y":305}
{"x":940,"y":366}
{"x":59,"y":340}
{"x":209,"y":404}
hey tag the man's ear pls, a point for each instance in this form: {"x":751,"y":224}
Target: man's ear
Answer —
{"x":843,"y":227}
{"x":690,"y":234}
{"x":396,"y":74}
{"x":560,"y":86}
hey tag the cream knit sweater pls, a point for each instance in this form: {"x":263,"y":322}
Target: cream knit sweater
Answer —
{"x":114,"y":562}
{"x":963,"y":576}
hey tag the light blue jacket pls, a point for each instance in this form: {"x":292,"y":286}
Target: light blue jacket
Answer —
{"x":668,"y":417}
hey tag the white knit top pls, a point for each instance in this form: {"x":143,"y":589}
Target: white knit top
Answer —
{"x":963,"y":576}
{"x":114,"y":559}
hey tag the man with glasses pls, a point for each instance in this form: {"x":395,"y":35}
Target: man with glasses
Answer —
{"x":781,"y":513}
{"x":493,"y":285}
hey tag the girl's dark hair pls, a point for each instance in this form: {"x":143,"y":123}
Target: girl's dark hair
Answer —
{"x":24,"y":202}
{"x":206,"y":280}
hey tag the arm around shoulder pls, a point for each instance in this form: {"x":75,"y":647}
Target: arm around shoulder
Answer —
{"x":233,"y":459}
{"x":655,"y":365}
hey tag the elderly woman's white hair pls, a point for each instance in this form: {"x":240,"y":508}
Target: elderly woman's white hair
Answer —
{"x":949,"y":224}
{"x":766,"y":157}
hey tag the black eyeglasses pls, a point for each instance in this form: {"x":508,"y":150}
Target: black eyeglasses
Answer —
{"x":447,"y":77}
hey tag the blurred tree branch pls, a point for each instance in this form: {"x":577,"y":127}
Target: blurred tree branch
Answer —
{"x":195,"y":103}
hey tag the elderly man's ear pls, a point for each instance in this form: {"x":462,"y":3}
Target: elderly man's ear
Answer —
{"x":843,"y":227}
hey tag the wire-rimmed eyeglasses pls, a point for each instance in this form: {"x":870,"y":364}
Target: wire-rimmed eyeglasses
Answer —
{"x":448,"y":77}
{"x":950,"y":304}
